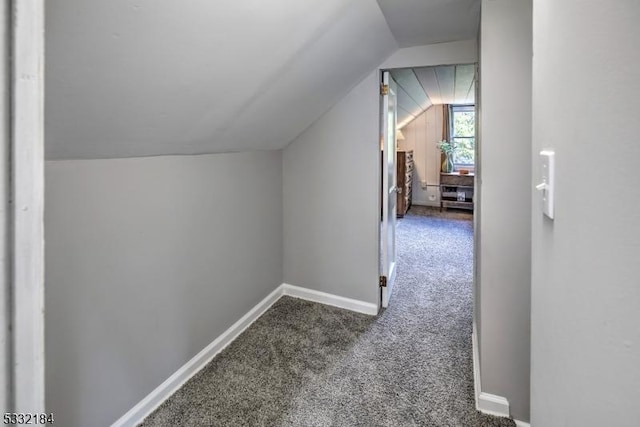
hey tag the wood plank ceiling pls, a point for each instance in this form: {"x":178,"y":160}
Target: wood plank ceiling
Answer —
{"x":420,"y":88}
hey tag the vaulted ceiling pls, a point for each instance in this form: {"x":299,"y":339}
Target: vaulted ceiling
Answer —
{"x":419,"y":22}
{"x":150,"y":77}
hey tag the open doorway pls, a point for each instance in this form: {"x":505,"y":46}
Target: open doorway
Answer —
{"x":428,"y":179}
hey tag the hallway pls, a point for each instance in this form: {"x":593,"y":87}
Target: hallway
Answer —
{"x":306,"y":364}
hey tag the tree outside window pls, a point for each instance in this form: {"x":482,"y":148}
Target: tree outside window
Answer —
{"x":463,"y":134}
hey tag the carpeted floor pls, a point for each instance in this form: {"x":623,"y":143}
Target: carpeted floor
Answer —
{"x":306,"y":364}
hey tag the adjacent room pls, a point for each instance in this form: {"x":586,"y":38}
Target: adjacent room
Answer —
{"x":434,"y":112}
{"x":428,"y":157}
{"x":436,"y":105}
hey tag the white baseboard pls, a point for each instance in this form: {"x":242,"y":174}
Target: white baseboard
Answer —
{"x":486,"y":403}
{"x":150,"y":403}
{"x":476,"y":363}
{"x":493,"y":405}
{"x":330,"y":299}
{"x":521,"y":423}
{"x":146,"y":406}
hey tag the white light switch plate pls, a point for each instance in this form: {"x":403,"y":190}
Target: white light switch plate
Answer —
{"x":547,"y":186}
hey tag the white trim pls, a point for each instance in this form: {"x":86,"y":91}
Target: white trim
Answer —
{"x":27,"y":145}
{"x":476,"y":363}
{"x":521,"y":423}
{"x":154,"y":399}
{"x":486,"y":403}
{"x":150,"y":403}
{"x":330,"y":299}
{"x":493,"y":405}
{"x":391,"y":281}
{"x":5,"y":210}
{"x":388,"y":102}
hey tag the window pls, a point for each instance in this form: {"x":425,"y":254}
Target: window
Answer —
{"x":463,"y":134}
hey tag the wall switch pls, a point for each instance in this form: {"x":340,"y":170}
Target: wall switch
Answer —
{"x":547,"y":186}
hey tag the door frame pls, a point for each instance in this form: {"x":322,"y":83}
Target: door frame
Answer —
{"x":411,"y":61}
{"x":23,"y":324}
{"x":387,"y":268}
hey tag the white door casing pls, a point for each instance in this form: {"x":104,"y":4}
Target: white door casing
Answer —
{"x":27,"y":174}
{"x":388,"y":116}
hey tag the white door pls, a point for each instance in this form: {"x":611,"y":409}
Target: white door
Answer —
{"x":389,"y":189}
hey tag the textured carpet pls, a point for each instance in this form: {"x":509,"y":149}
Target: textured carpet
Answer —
{"x":306,"y":364}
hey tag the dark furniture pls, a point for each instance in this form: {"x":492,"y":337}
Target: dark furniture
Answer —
{"x":456,"y":190}
{"x":404,"y":180}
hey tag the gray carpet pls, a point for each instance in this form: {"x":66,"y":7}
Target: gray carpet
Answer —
{"x":306,"y":364}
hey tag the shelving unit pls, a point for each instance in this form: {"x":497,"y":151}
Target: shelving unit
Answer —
{"x":456,"y":191}
{"x":404,"y":181}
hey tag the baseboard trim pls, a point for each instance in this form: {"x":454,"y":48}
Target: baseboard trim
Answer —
{"x":521,"y":423}
{"x":146,"y":406}
{"x":493,"y":405}
{"x":153,"y":400}
{"x":476,"y":363}
{"x":486,"y":403}
{"x":330,"y":299}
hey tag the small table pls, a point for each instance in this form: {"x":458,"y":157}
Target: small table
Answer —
{"x":456,"y":190}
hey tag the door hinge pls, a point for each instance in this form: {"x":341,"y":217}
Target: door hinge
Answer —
{"x":384,"y":89}
{"x":383,"y":281}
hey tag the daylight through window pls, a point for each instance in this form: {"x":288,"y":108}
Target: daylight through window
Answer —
{"x":463,"y":134}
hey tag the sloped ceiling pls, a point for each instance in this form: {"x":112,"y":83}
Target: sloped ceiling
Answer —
{"x":419,"y":88}
{"x":420,"y":22}
{"x":147,"y":77}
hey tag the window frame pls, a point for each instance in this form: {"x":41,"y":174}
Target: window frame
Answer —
{"x":463,"y":108}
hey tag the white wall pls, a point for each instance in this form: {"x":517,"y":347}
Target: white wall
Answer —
{"x":505,"y":203}
{"x":422,"y":136}
{"x":586,"y":275}
{"x":460,"y":52}
{"x":137,"y":78}
{"x":148,"y":261}
{"x":331,"y":185}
